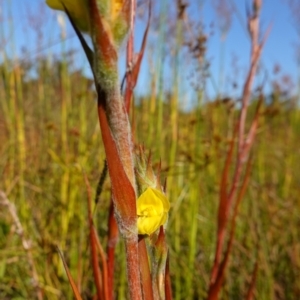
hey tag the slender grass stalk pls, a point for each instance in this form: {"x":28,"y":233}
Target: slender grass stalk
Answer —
{"x":64,"y":121}
{"x":193,"y":240}
{"x":177,"y":248}
{"x":7,"y":118}
{"x":244,"y":145}
{"x":175,"y":98}
{"x":152,"y":108}
{"x":160,"y":68}
{"x":20,"y":141}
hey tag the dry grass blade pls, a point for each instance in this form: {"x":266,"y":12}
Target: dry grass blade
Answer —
{"x":72,"y":282}
{"x":134,"y":65}
{"x":215,"y":288}
{"x":104,"y":265}
{"x":244,"y":146}
{"x":224,"y":203}
{"x":252,"y":131}
{"x":159,"y":267}
{"x":168,"y":287}
{"x":250,"y":292}
{"x":129,"y":60}
{"x":137,"y":65}
{"x":223,"y":211}
{"x":93,"y":244}
{"x":145,"y":271}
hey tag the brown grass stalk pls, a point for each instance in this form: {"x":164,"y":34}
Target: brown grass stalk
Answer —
{"x":106,"y":293}
{"x":146,"y":281}
{"x":113,"y":235}
{"x":71,"y":280}
{"x":133,"y":62}
{"x":168,"y":287}
{"x":98,"y":276}
{"x":215,"y":288}
{"x":243,"y":148}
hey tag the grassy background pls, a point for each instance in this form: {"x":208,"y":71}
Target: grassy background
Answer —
{"x":49,"y":133}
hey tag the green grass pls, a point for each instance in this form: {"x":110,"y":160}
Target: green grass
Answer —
{"x":49,"y":134}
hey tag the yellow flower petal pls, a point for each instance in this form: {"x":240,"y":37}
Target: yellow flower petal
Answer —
{"x":78,"y":10}
{"x":152,"y":211}
{"x":116,"y":6}
{"x":148,"y":225}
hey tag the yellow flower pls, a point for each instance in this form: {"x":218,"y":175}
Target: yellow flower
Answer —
{"x":78,"y":10}
{"x":116,"y":6}
{"x":152,"y":211}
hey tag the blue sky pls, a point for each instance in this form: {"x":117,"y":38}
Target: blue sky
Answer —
{"x":30,"y":24}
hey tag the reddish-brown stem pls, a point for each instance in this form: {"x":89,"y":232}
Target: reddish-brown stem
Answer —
{"x":125,"y":203}
{"x":116,"y":136}
{"x":216,"y":285}
{"x":131,"y":80}
{"x":95,"y":263}
{"x":145,"y":271}
{"x":256,"y":49}
{"x":93,"y":244}
{"x":133,"y":63}
{"x":71,"y":280}
{"x":222,"y":214}
{"x":168,"y":287}
{"x":243,"y":148}
{"x":133,"y":272}
{"x":104,"y":266}
{"x":113,"y":235}
{"x":253,"y":29}
{"x":129,"y":59}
